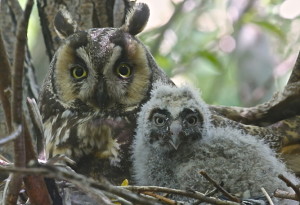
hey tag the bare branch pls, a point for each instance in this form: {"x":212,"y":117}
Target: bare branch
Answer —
{"x":4,"y":161}
{"x":5,"y":83}
{"x":12,"y":136}
{"x":176,"y":13}
{"x":267,"y":196}
{"x":97,"y":195}
{"x":290,"y":184}
{"x":18,"y":64}
{"x":35,"y":185}
{"x":161,"y":198}
{"x":228,"y":195}
{"x":35,"y":114}
{"x":60,"y":158}
{"x":14,"y":185}
{"x":281,"y":106}
{"x":81,"y":181}
{"x":36,"y":190}
{"x":30,"y":152}
{"x":195,"y":195}
{"x":285,"y":195}
{"x":115,"y":198}
{"x":37,"y":123}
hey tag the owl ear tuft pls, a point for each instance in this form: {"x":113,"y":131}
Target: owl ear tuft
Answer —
{"x":64,"y":24}
{"x":137,"y":19}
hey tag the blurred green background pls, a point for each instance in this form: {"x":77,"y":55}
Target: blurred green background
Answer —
{"x":237,"y":52}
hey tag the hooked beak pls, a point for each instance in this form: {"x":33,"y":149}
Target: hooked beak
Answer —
{"x":175,"y":129}
{"x":175,"y":143}
{"x":102,"y":97}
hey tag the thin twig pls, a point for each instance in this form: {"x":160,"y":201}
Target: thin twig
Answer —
{"x":5,"y":84}
{"x":267,"y":196}
{"x":122,"y":191}
{"x":290,"y":184}
{"x":208,"y":194}
{"x":4,"y":160}
{"x":161,"y":198}
{"x":80,"y":181}
{"x":29,"y":148}
{"x":115,"y":198}
{"x":195,"y":195}
{"x":95,"y":194}
{"x":213,"y":182}
{"x":60,"y":158}
{"x":212,"y":192}
{"x":12,"y":136}
{"x":285,"y":195}
{"x":37,"y":123}
{"x":163,"y":29}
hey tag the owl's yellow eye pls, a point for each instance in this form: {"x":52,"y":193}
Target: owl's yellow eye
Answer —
{"x":78,"y":72}
{"x":124,"y":70}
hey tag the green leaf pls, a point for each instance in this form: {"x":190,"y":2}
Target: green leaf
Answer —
{"x":212,"y":58}
{"x":165,"y":63}
{"x":271,"y":28}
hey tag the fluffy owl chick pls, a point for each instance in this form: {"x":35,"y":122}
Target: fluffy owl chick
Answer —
{"x":175,"y":140}
{"x":97,"y":80}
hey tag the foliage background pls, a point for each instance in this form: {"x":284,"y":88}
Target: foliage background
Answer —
{"x":238,"y":52}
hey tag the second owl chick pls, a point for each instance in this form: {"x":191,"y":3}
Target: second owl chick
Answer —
{"x":175,"y":140}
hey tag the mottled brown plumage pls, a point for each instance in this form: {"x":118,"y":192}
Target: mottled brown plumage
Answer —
{"x":96,"y":83}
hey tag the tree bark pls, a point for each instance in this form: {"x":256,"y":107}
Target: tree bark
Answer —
{"x":87,"y":13}
{"x":10,"y":12}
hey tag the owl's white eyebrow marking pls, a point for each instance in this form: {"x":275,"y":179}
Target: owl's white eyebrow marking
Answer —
{"x":117,"y":50}
{"x":131,"y":108}
{"x":66,"y":114}
{"x":81,"y":52}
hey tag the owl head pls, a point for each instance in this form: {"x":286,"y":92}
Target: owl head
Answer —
{"x":174,"y":117}
{"x":100,"y":68}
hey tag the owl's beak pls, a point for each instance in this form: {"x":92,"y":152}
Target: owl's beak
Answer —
{"x":102,"y":97}
{"x":175,"y":129}
{"x":175,"y":144}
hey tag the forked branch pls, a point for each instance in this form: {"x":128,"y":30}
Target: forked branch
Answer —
{"x":14,"y":186}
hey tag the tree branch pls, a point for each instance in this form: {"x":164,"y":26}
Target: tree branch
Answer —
{"x":217,"y":186}
{"x":14,"y":185}
{"x":156,"y":45}
{"x":80,"y":181}
{"x":5,"y":84}
{"x":285,"y":195}
{"x":161,"y":198}
{"x":195,"y":195}
{"x":35,"y":185}
{"x":267,"y":196}
{"x":290,"y":184}
{"x":12,"y":136}
{"x":37,"y":123}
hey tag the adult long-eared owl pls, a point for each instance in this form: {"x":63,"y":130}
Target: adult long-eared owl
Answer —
{"x":96,"y":83}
